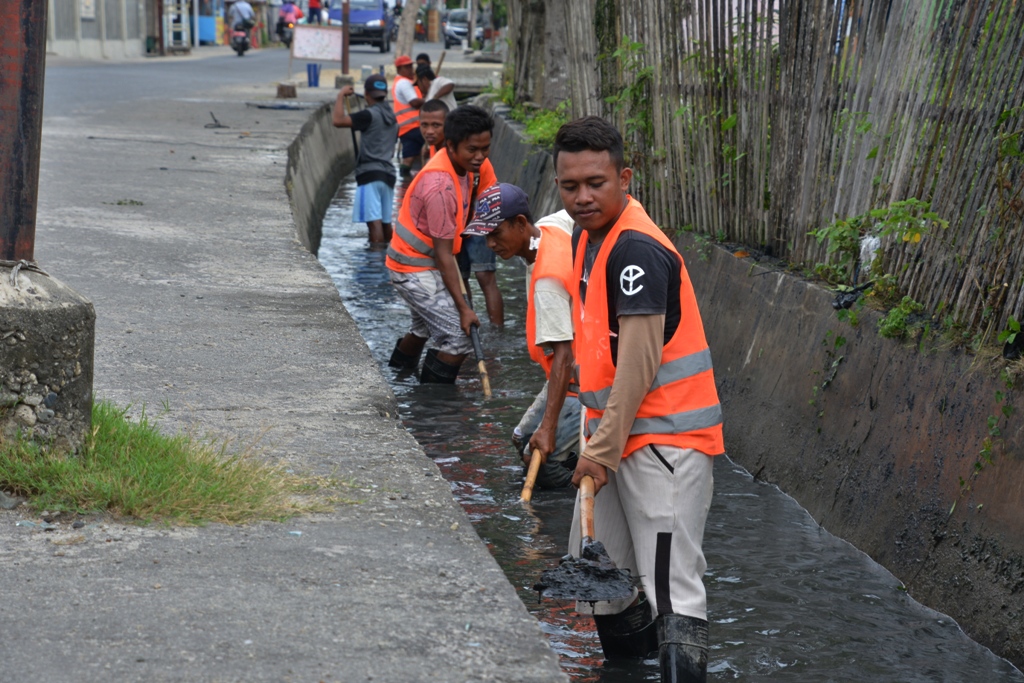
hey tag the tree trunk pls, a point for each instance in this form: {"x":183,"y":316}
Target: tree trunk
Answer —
{"x":556,"y":53}
{"x":471,"y":34}
{"x":407,"y":29}
{"x":526,"y":45}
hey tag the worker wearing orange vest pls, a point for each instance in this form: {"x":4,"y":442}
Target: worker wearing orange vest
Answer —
{"x":421,"y":256}
{"x":551,"y":424}
{"x":653,"y":415}
{"x":407,"y":100}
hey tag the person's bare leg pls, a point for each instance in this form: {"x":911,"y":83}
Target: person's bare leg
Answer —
{"x":387,"y":232}
{"x":450,"y":359}
{"x":376,"y":229}
{"x":411,"y":345}
{"x":492,"y":297}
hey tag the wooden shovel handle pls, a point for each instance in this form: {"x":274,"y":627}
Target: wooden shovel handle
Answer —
{"x":478,"y":349}
{"x":531,"y":477}
{"x":587,"y":506}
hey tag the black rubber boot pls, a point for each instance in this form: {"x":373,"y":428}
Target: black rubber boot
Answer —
{"x":435,"y":371}
{"x":402,"y":361}
{"x":630,"y":634}
{"x":683,"y":649}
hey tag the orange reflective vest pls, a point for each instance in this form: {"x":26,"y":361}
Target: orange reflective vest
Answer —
{"x":554,"y":260}
{"x":681,"y":408}
{"x":411,"y":249}
{"x":408,"y":116}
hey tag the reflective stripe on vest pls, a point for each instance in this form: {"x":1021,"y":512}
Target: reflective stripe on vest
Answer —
{"x":426,"y":261}
{"x":675,"y":423}
{"x":407,"y":117}
{"x":411,"y":249}
{"x":672,"y":371}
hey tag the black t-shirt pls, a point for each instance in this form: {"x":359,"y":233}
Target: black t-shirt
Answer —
{"x":642,"y":278}
{"x":361,"y":120}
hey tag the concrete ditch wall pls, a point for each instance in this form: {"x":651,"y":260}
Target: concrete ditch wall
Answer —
{"x":871,"y":436}
{"x":317,"y":161}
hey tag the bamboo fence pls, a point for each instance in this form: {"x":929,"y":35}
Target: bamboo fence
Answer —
{"x":759,"y":121}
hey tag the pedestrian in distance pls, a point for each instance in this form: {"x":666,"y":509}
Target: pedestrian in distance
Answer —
{"x":422,"y":59}
{"x":315,"y":12}
{"x":408,"y":99}
{"x":428,"y":235}
{"x":551,"y":425}
{"x":432,"y":116}
{"x":375,"y":171}
{"x":653,"y":415}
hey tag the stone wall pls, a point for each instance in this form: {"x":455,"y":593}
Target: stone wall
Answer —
{"x":872,"y":436}
{"x":318,"y":159}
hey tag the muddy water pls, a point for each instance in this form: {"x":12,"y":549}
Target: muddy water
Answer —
{"x":787,"y":600}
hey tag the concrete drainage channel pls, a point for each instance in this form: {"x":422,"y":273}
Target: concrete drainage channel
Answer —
{"x":775,"y":576}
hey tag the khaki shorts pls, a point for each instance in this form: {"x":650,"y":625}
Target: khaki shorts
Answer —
{"x":434,"y":315}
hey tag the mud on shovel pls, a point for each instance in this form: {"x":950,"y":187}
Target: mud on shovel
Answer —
{"x":592,"y":576}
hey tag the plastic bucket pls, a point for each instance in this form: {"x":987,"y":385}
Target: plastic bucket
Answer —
{"x":313,"y":75}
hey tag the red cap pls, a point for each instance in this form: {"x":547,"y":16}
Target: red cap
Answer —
{"x":403,"y":60}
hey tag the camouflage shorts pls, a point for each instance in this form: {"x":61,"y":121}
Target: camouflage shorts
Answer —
{"x":434,"y":314}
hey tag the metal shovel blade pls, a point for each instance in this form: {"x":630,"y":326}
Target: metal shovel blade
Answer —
{"x":588,"y":578}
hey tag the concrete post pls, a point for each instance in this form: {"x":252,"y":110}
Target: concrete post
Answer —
{"x":22,"y":60}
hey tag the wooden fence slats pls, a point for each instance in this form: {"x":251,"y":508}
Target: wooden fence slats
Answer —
{"x":770,"y":118}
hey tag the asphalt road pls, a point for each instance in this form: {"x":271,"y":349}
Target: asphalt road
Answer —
{"x":208,"y":308}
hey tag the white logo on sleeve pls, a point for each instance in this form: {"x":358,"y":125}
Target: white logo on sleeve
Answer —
{"x":628,"y":280}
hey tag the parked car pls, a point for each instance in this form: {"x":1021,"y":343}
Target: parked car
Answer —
{"x":369,"y":22}
{"x":456,"y":26}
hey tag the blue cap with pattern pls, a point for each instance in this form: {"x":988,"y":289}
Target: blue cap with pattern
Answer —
{"x":497,"y":204}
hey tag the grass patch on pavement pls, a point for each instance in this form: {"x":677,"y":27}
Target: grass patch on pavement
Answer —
{"x":129,"y":468}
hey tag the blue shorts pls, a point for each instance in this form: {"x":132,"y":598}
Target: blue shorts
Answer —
{"x":412,"y":143}
{"x":475,"y":256}
{"x":373,"y":202}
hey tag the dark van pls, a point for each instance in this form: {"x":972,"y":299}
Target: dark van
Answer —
{"x":369,"y":22}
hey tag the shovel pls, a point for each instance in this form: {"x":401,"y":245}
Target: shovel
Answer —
{"x":592,"y":576}
{"x":478,"y":349}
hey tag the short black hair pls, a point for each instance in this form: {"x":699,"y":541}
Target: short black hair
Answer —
{"x":466,"y":120}
{"x":423,"y":56}
{"x":591,"y":133}
{"x":434,"y":105}
{"x":424,"y":71}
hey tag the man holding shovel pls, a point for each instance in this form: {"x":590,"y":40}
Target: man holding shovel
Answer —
{"x":551,"y":425}
{"x":653,"y":415}
{"x":427,"y":237}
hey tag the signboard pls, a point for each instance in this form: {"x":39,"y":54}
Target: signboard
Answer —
{"x":317,"y":43}
{"x":87,"y":9}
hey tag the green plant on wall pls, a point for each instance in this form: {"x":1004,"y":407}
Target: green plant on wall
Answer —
{"x":897,"y":323}
{"x":908,"y":221}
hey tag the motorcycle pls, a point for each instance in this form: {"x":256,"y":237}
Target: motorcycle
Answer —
{"x":240,"y":38}
{"x":285,"y":31}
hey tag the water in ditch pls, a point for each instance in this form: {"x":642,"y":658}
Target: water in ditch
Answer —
{"x":787,"y":601}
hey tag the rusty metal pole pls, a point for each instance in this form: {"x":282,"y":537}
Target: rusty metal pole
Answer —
{"x":345,"y":36}
{"x":22,"y":68}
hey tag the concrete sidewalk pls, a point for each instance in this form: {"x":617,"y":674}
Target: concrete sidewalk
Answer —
{"x":208,"y":304}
